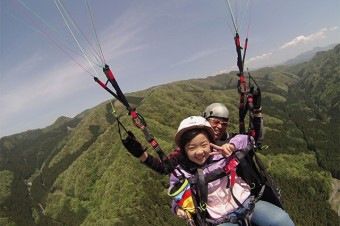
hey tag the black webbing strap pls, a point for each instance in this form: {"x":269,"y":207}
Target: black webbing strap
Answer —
{"x":202,"y":186}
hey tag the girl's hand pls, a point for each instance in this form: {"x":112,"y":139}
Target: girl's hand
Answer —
{"x":143,"y":157}
{"x":181,"y":213}
{"x":226,"y":149}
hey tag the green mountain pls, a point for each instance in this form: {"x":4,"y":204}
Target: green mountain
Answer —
{"x":77,"y":172}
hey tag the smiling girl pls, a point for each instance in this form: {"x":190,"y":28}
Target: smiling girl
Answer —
{"x":219,"y":202}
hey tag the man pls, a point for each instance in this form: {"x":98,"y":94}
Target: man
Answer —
{"x":218,"y":116}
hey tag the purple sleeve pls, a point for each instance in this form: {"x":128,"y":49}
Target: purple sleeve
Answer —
{"x":173,"y":180}
{"x":240,"y":141}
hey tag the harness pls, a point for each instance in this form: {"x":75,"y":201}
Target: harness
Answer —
{"x":199,"y":193}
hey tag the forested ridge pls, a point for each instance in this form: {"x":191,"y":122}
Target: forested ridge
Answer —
{"x":77,"y":172}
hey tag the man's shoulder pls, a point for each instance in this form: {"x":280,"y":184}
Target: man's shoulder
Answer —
{"x":227,"y":136}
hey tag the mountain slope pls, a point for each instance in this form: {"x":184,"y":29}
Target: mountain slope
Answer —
{"x":21,"y":156}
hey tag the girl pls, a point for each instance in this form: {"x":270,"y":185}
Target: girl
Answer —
{"x":224,"y":201}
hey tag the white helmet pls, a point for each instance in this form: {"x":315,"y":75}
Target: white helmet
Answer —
{"x":191,"y":123}
{"x":216,"y":110}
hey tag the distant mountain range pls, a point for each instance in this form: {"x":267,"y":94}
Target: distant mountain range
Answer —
{"x":306,"y":56}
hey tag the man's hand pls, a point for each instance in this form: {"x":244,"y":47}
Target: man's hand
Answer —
{"x":133,"y":146}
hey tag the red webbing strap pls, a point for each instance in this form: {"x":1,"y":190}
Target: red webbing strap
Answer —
{"x":231,"y":168}
{"x":121,"y":97}
{"x":97,"y":80}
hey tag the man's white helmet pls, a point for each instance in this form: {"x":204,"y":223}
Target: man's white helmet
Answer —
{"x":216,"y":110}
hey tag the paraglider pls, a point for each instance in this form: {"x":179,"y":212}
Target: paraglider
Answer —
{"x":250,"y":100}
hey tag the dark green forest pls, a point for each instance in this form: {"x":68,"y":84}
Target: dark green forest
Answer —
{"x":77,"y":172}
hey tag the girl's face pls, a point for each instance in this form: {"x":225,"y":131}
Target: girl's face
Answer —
{"x":198,"y":148}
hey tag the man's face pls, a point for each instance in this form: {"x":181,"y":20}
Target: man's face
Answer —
{"x":219,"y":126}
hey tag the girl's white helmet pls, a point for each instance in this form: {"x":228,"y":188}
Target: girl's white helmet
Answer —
{"x":191,"y":123}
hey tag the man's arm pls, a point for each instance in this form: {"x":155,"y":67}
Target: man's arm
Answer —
{"x":159,"y":166}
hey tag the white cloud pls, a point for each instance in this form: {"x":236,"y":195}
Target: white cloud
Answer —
{"x":321,"y":34}
{"x":333,"y":28}
{"x":260,"y":57}
{"x":125,"y":33}
{"x":49,"y":85}
{"x":198,"y":56}
{"x":306,"y":39}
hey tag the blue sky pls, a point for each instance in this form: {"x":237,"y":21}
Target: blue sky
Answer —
{"x":145,"y":43}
